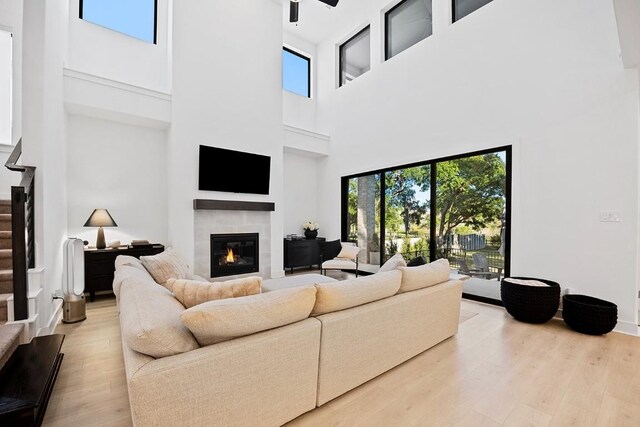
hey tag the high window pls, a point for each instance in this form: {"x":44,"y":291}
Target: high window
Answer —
{"x":456,"y":208}
{"x":462,"y":8}
{"x":135,"y":18}
{"x":355,"y":56}
{"x":296,"y":72}
{"x":6,"y":87}
{"x":406,"y":24}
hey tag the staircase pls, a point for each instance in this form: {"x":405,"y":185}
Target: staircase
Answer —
{"x":6,"y":263}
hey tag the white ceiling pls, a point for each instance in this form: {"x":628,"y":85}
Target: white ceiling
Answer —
{"x":317,"y":21}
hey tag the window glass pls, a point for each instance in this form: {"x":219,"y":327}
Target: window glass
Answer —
{"x":136,"y":18}
{"x":462,"y":8}
{"x":355,"y":56}
{"x":406,"y":24}
{"x":6,"y":87}
{"x":296,"y":71}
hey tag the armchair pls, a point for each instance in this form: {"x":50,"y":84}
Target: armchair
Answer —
{"x":337,"y":255}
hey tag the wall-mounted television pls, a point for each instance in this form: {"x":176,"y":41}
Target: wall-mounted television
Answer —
{"x":233,"y":171}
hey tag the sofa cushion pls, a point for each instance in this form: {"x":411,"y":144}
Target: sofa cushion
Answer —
{"x":222,"y":320}
{"x":129,"y":260}
{"x":150,"y":319}
{"x":425,"y":275}
{"x":393,"y":263}
{"x":335,"y":296}
{"x":166,"y":265}
{"x":129,"y":273}
{"x":294,"y":281}
{"x":192,"y":292}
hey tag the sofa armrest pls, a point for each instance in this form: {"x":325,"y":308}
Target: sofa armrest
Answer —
{"x":267,"y":378}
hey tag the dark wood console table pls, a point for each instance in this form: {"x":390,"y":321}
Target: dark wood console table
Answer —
{"x":99,"y":265}
{"x":302,"y":252}
{"x":27,"y":379}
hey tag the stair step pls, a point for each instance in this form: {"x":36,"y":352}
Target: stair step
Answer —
{"x":5,"y":206}
{"x":5,"y":240}
{"x":3,"y":307}
{"x":5,"y":222}
{"x":6,"y":260}
{"x":9,"y":340}
{"x":6,"y":282}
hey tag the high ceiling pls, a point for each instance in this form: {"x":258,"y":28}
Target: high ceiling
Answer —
{"x":317,"y":21}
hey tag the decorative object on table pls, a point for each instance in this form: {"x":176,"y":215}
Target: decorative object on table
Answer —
{"x":100,"y":218}
{"x":115,"y":244}
{"x":529,"y":299}
{"x":589,"y":315}
{"x":141,"y":244}
{"x":310,"y":229}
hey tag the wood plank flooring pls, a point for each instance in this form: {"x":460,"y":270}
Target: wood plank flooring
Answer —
{"x":496,"y":371}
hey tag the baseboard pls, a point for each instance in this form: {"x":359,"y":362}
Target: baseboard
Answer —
{"x":54,"y":320}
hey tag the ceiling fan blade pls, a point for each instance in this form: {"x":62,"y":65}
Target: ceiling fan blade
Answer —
{"x":331,"y":3}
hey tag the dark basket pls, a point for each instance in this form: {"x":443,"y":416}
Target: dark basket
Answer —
{"x":589,"y":315}
{"x":531,"y":304}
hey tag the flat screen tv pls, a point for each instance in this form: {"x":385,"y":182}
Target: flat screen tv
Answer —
{"x":233,"y":171}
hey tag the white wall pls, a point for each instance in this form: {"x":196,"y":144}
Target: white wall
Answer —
{"x":121,"y":168}
{"x":227,"y":92}
{"x":531,"y":73}
{"x":301,"y":188}
{"x":100,"y":51}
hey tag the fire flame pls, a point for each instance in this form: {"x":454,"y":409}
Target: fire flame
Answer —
{"x":230,"y":258}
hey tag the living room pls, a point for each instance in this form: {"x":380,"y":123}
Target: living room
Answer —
{"x":111,"y":121}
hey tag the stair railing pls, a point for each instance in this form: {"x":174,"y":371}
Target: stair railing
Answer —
{"x":22,"y":232}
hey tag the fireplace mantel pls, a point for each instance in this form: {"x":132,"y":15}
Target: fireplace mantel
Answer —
{"x":232,"y":205}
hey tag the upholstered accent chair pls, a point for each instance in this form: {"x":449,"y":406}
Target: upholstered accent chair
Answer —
{"x":337,"y":255}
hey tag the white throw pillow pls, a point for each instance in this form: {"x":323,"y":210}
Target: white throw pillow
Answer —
{"x":166,"y":265}
{"x":192,"y":292}
{"x":349,"y":251}
{"x":393,"y":263}
{"x":335,"y":296}
{"x":226,"y":319}
{"x":424,"y":275}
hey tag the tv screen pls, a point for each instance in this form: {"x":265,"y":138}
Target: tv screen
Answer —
{"x":233,"y":171}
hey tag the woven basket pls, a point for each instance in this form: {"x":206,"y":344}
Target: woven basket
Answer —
{"x":589,"y":315}
{"x":531,"y":304}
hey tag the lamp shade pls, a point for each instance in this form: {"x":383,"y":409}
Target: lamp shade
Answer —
{"x":100,"y":218}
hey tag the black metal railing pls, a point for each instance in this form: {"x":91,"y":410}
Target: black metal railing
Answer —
{"x":22,"y":232}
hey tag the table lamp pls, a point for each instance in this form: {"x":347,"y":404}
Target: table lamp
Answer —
{"x":100,"y":218}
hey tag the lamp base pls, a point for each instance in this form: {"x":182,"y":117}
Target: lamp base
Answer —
{"x":100,"y":243}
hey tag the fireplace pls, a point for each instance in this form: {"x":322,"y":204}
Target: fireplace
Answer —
{"x":233,"y":254}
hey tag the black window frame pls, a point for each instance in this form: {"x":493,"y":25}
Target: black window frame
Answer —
{"x":344,"y":206}
{"x":386,"y":30}
{"x":341,"y":47}
{"x":453,"y":11}
{"x":308,"y":59}
{"x":155,"y":22}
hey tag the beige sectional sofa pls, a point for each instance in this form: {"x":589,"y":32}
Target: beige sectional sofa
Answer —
{"x":271,"y":377}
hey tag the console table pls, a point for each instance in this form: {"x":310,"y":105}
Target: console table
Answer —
{"x":99,"y":265}
{"x":302,"y":252}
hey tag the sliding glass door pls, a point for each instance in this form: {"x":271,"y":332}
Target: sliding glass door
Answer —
{"x":456,"y":208}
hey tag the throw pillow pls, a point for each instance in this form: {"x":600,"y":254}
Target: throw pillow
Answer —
{"x":166,"y":265}
{"x":417,"y":261}
{"x":150,"y":319}
{"x":222,"y":320}
{"x":425,"y":275}
{"x":191,"y":292}
{"x":331,"y":249}
{"x":348,"y":251}
{"x":393,"y":263}
{"x":335,"y":296}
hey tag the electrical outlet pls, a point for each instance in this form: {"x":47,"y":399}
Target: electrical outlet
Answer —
{"x":609,"y":216}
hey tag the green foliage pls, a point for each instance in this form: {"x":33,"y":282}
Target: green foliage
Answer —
{"x":495,"y":240}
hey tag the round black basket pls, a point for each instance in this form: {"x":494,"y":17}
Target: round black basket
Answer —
{"x":589,"y":315}
{"x":531,"y":304}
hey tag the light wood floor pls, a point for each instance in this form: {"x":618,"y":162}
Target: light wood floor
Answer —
{"x":496,"y":371}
